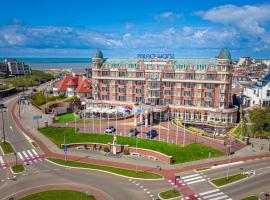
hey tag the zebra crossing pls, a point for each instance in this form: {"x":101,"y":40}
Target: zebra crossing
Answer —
{"x":194,"y":178}
{"x":29,"y":156}
{"x":2,"y":163}
{"x":215,"y":194}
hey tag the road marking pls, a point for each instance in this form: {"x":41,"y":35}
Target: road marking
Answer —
{"x":29,"y":152}
{"x":184,"y":177}
{"x":25,"y":154}
{"x":192,"y":182}
{"x":20,"y":155}
{"x":218,"y":198}
{"x":208,"y":192}
{"x":1,"y":160}
{"x":34,"y":151}
{"x":192,"y":179}
{"x":213,"y":195}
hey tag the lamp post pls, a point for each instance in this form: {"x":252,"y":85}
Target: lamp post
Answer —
{"x":168,"y":126}
{"x":65,"y":147}
{"x":16,"y":158}
{"x":3,"y":124}
{"x":184,"y":139}
{"x":159,"y":125}
{"x":229,"y":159}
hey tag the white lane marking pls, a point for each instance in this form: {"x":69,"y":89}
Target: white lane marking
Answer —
{"x":20,"y":155}
{"x":208,"y":192}
{"x":192,"y":179}
{"x":218,"y":198}
{"x":201,"y":180}
{"x":29,"y":152}
{"x":34,"y":151}
{"x":193,"y":175}
{"x":1,"y":160}
{"x":224,"y":165}
{"x":213,"y":195}
{"x":25,"y":154}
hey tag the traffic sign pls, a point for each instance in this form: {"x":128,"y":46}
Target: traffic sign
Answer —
{"x":65,"y":149}
{"x":37,"y":117}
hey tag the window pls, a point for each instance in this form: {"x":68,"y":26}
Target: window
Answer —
{"x":268,"y":93}
{"x":178,"y":85}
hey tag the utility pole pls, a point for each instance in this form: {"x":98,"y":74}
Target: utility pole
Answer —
{"x":229,"y":158}
{"x":3,"y":125}
{"x":184,"y":139}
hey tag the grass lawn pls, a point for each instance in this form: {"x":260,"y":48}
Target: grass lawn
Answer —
{"x":124,"y":172}
{"x":179,"y":154}
{"x":17,"y":168}
{"x":224,"y":181}
{"x":250,"y":198}
{"x":59,"y":194}
{"x":6,"y":147}
{"x":34,"y":144}
{"x":69,"y":117}
{"x":170,"y":194}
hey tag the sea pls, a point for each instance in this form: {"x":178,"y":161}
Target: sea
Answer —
{"x":74,"y":64}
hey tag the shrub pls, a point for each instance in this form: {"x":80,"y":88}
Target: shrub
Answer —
{"x":106,"y":149}
{"x":38,"y":99}
{"x":126,"y":152}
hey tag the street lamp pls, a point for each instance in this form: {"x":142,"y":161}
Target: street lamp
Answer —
{"x":65,"y":147}
{"x":3,"y":123}
{"x":229,"y":158}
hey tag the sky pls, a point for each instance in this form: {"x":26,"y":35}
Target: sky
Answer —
{"x":125,"y":28}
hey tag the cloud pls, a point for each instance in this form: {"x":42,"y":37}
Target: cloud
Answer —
{"x":167,"y":15}
{"x":251,"y":19}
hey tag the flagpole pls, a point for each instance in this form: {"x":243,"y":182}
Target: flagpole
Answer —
{"x":159,"y":125}
{"x":168,"y":126}
{"x":99,"y":122}
{"x":177,"y":129}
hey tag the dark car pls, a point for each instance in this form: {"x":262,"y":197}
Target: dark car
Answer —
{"x":2,"y":106}
{"x":110,"y":129}
{"x":133,"y":132}
{"x":151,"y":134}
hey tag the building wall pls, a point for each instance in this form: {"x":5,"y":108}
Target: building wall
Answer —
{"x":206,"y":92}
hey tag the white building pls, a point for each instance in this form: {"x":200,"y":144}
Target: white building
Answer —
{"x":257,"y":94}
{"x":13,"y":67}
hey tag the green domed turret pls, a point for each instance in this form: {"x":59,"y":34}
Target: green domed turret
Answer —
{"x":98,"y":54}
{"x":225,"y":54}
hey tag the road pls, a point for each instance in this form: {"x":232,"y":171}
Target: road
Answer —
{"x":43,"y":173}
{"x":199,"y":182}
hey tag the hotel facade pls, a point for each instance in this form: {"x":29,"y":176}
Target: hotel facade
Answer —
{"x":197,"y":91}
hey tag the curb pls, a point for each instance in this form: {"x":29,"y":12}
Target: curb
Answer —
{"x":15,"y":173}
{"x":170,"y":198}
{"x":158,"y":179}
{"x":222,"y":186}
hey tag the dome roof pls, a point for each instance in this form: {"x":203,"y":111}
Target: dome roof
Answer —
{"x":98,"y":54}
{"x":224,"y":54}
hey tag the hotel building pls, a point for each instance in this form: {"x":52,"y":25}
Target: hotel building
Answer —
{"x":197,"y":91}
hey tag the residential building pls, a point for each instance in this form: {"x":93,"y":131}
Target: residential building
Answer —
{"x":195,"y":90}
{"x":11,"y":67}
{"x":73,"y":85}
{"x":258,"y":93}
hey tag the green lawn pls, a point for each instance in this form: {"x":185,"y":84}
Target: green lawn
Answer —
{"x":179,"y":154}
{"x":6,"y":147}
{"x":59,"y":194}
{"x":250,"y":198}
{"x":170,"y":194}
{"x":224,"y":181}
{"x":17,"y":168}
{"x":69,"y":117}
{"x":124,"y":172}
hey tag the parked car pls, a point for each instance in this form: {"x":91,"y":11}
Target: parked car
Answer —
{"x":151,"y":134}
{"x":2,"y":106}
{"x":133,"y":132}
{"x":110,"y":129}
{"x":140,"y":123}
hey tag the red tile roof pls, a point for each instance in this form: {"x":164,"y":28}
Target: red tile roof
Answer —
{"x":81,"y":84}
